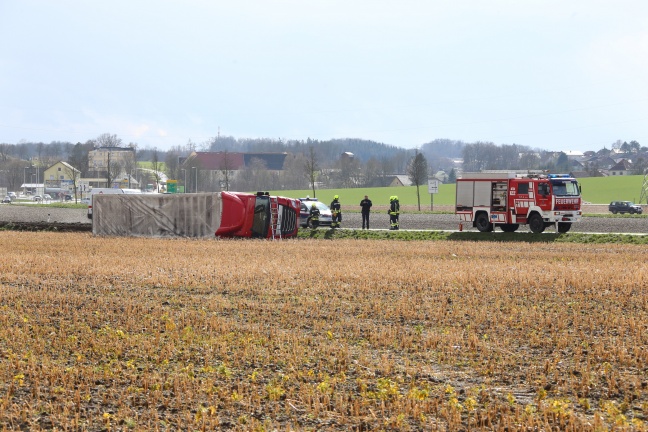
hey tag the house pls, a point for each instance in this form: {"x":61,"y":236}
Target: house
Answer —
{"x":580,"y":174}
{"x":61,"y":178}
{"x":399,"y":180}
{"x":234,"y":161}
{"x":575,"y":165}
{"x":101,"y":157}
{"x":602,"y":162}
{"x":574,"y":154}
{"x":441,"y":176}
{"x":347,"y":155}
{"x":104,"y":159}
{"x":623,"y":167}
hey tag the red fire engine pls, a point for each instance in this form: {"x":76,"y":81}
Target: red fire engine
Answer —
{"x":509,"y":200}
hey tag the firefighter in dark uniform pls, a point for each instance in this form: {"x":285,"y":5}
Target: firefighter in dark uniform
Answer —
{"x":336,"y":211}
{"x":314,"y":216}
{"x":394,"y":212}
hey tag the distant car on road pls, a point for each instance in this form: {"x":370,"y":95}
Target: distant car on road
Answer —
{"x":37,"y":198}
{"x":47,"y":197}
{"x":625,"y":207}
{"x":6,"y":200}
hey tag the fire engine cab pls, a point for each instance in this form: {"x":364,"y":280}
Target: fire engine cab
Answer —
{"x":509,"y":200}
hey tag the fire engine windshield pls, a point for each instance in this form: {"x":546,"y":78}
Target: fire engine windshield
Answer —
{"x":261,"y":217}
{"x":565,"y":187}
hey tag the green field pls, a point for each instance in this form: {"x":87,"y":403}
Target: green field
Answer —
{"x":596,"y":190}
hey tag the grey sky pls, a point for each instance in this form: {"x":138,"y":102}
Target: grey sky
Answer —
{"x":555,"y":74}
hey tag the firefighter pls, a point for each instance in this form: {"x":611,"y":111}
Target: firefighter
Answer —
{"x":394,"y":211}
{"x":314,"y":216}
{"x":336,"y":211}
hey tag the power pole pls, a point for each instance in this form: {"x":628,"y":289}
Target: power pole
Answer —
{"x":643,"y":198}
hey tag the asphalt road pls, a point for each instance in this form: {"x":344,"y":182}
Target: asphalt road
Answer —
{"x":378,"y":220}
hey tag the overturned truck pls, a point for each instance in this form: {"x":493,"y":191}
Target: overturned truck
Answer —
{"x":220,"y":214}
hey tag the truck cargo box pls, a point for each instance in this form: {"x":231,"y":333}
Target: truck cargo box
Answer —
{"x":157,"y":215}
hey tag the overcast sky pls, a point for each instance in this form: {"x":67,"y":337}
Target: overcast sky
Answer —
{"x":553,"y":74}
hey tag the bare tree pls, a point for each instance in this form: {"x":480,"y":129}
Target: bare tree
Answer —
{"x":386,"y":168}
{"x":417,"y":171}
{"x":130,"y":163}
{"x":311,"y":167}
{"x":108,"y":140}
{"x":349,"y":173}
{"x":73,"y":174}
{"x":292,"y":175}
{"x":172,"y":163}
{"x":371,"y":172}
{"x":225,"y":169}
{"x":113,"y":169}
{"x":155,"y":164}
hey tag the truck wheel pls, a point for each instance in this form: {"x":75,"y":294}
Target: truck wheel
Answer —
{"x":509,"y":227}
{"x":482,"y":223}
{"x":563,"y":227}
{"x":536,"y":224}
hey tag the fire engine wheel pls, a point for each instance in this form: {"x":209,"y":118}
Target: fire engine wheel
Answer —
{"x":563,"y":227}
{"x":482,"y":223}
{"x":536,"y":224}
{"x":509,"y":227}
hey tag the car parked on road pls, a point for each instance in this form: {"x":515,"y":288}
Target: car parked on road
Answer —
{"x":37,"y":198}
{"x":625,"y":207}
{"x":304,"y":213}
{"x":6,"y":200}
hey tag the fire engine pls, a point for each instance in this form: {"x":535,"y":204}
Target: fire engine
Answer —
{"x":509,"y":200}
{"x":220,"y":214}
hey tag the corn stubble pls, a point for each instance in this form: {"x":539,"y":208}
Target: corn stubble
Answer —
{"x":146,"y":334}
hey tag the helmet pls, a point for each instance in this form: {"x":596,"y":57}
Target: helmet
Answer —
{"x":314,"y":205}
{"x":391,"y":198}
{"x":335,"y":197}
{"x":395,"y":198}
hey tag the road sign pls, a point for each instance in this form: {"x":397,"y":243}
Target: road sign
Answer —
{"x":433,"y":186}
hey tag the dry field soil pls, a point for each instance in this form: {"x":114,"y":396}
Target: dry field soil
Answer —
{"x":150,"y":334}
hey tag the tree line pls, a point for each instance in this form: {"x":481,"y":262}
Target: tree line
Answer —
{"x":309,"y":163}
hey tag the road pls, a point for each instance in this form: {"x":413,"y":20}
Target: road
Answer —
{"x":378,"y":220}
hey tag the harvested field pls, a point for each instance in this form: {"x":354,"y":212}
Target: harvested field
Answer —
{"x":146,"y":334}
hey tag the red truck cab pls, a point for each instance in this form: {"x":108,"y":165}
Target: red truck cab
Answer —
{"x":258,"y":215}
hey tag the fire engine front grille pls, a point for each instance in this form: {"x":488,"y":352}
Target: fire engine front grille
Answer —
{"x":288,"y":220}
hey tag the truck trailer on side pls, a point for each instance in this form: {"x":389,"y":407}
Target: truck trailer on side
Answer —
{"x":220,"y":214}
{"x":509,"y":200}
